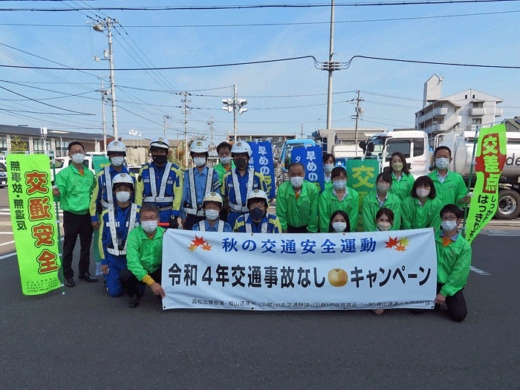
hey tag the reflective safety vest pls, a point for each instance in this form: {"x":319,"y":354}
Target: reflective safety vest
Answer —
{"x":192,"y":207}
{"x":220,"y":226}
{"x":238,"y":206}
{"x":117,"y":242}
{"x":249,"y":226}
{"x":158,"y":198}
{"x":108,"y":189}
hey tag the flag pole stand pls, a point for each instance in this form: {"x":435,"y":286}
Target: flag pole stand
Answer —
{"x":466,"y":208}
{"x":57,"y":210}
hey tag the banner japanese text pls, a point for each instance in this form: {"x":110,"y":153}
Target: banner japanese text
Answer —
{"x":312,"y":159}
{"x":262,"y":161}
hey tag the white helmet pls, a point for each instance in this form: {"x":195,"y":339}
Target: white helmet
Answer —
{"x":241,"y":147}
{"x":257,"y":194}
{"x":159,"y":142}
{"x":123,"y":178}
{"x":212,"y":197}
{"x":199,"y":146}
{"x":116,"y":146}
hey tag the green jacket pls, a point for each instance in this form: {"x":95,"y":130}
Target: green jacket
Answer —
{"x":371,"y":207}
{"x":453,"y":264}
{"x":298,"y":212}
{"x":403,"y":187}
{"x":452,"y":190}
{"x":415,"y":216}
{"x":222,"y":171}
{"x":144,"y":256}
{"x":330,"y":203}
{"x":75,"y":189}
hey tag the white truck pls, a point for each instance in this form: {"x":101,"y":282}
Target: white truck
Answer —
{"x":415,"y":145}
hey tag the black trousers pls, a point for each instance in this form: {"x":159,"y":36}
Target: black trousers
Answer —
{"x":456,"y":304}
{"x":74,"y":225}
{"x":301,"y":229}
{"x":134,"y":286}
{"x":192,"y":220}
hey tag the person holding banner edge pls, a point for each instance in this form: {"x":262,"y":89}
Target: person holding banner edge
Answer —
{"x":374,"y":201}
{"x":297,"y":202}
{"x":74,"y":186}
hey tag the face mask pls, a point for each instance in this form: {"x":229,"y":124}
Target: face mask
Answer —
{"x":442,"y":163}
{"x":297,"y":182}
{"x":398,"y":167}
{"x":241,"y":163}
{"x":422,"y":192}
{"x":199,"y":161}
{"x":149,"y":226}
{"x":123,"y":196}
{"x":449,"y":225}
{"x":159,"y":160}
{"x":339,"y":226}
{"x":384,"y":226}
{"x":117,"y":161}
{"x":225,"y":160}
{"x":256,"y":213}
{"x":211,"y":214}
{"x":328,"y":168}
{"x":339,"y":184}
{"x":383,"y":188}
{"x":78,"y":158}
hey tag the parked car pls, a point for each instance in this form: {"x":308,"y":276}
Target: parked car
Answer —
{"x":3,"y":175}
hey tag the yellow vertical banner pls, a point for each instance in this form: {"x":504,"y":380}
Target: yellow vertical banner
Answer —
{"x":490,"y":159}
{"x":34,"y":222}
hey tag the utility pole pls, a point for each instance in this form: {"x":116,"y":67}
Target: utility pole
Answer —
{"x":211,"y":127}
{"x":302,"y":130}
{"x":330,"y":67}
{"x":165,"y":117}
{"x":104,"y":93}
{"x":359,"y":112}
{"x":186,"y":108}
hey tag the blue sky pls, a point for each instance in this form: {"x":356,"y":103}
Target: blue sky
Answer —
{"x":482,"y":39}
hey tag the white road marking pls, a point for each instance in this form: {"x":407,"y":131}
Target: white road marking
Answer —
{"x":7,"y":243}
{"x":478,"y":271}
{"x":8,"y":255}
{"x":6,"y":232}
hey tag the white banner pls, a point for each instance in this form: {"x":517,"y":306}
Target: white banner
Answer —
{"x":371,"y":270}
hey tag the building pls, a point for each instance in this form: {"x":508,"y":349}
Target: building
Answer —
{"x":462,"y":111}
{"x":346,"y":137}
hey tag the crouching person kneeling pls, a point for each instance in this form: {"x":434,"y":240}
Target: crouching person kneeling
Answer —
{"x":144,"y":257}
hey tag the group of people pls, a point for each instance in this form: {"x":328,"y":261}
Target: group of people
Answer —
{"x":131,"y":213}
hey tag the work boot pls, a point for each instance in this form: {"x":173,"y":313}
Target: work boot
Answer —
{"x":86,"y":277}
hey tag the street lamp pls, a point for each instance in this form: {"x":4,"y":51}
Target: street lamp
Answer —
{"x":234,"y":105}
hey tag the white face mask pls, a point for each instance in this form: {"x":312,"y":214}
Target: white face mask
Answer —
{"x":78,"y":158}
{"x":339,"y":226}
{"x":384,"y":226}
{"x":212,"y":214}
{"x":123,"y":196}
{"x":225,"y":160}
{"x":297,"y":181}
{"x":199,"y":161}
{"x":422,"y":192}
{"x":449,"y":225}
{"x":339,"y":184}
{"x":117,"y":161}
{"x":442,"y":163}
{"x":149,"y":226}
{"x":328,"y":168}
{"x":383,"y":188}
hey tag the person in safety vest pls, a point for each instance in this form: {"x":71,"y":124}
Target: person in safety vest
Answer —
{"x":258,"y":220}
{"x":212,"y":205}
{"x":297,"y":202}
{"x":144,"y":257}
{"x":198,"y":183}
{"x":239,"y":182}
{"x":160,"y":183}
{"x":102,"y":197}
{"x":118,"y":220}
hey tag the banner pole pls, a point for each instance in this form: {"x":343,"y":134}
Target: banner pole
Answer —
{"x":466,"y":209}
{"x":57,"y":210}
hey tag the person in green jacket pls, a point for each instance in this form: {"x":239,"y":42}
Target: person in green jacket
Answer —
{"x":144,"y":257}
{"x":329,"y":162}
{"x":339,"y":222}
{"x":453,"y":263}
{"x":297,"y":202}
{"x":379,"y":199}
{"x":421,"y":208}
{"x":338,"y":197}
{"x":402,"y":180}
{"x":449,"y":185}
{"x":74,"y":186}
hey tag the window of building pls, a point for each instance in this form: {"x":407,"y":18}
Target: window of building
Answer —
{"x":478,"y":104}
{"x":476,"y":121}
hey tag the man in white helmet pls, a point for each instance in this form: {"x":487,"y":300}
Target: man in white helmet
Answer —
{"x":118,"y":221}
{"x":258,"y":220}
{"x":103,"y":196}
{"x":198,"y":183}
{"x":212,"y":205}
{"x":160,"y":183}
{"x":239,"y":182}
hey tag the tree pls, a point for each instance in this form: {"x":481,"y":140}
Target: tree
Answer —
{"x":17,"y":145}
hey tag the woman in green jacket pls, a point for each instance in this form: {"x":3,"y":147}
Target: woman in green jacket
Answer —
{"x":421,"y":209}
{"x":379,"y":199}
{"x":329,"y":162}
{"x":402,"y":180}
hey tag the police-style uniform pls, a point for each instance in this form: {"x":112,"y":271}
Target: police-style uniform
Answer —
{"x":269,"y":224}
{"x":220,"y":226}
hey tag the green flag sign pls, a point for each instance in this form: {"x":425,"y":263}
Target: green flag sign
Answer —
{"x":361,"y":176}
